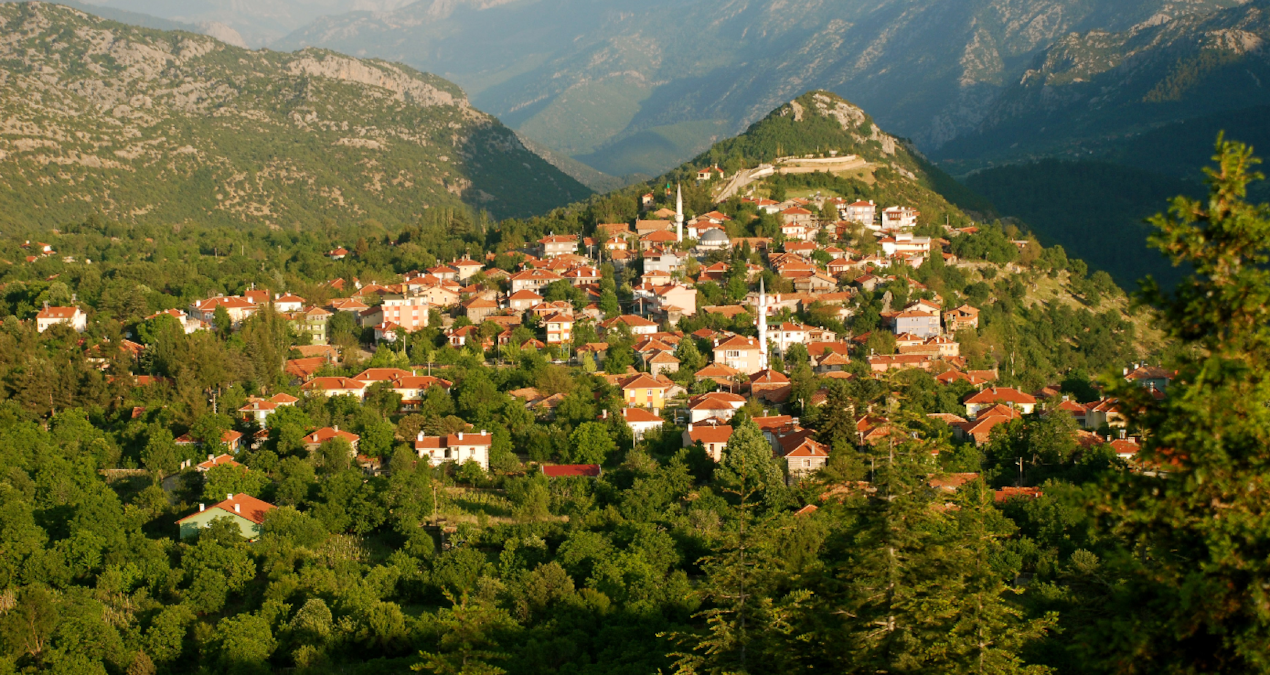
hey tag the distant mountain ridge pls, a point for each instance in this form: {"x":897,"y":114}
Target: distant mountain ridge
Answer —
{"x":640,"y":85}
{"x":141,"y":125}
{"x":1089,"y":91}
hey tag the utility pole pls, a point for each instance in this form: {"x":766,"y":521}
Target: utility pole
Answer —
{"x":1020,"y":472}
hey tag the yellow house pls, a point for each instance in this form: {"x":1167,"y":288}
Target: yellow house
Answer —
{"x":645,"y":391}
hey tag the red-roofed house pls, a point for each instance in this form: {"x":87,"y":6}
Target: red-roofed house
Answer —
{"x":991,"y":396}
{"x":459,"y":448}
{"x":70,"y":316}
{"x":961,"y":318}
{"x":770,"y":385}
{"x":713,"y":437}
{"x":336,"y":386}
{"x":803,"y":455}
{"x":559,"y":329}
{"x":740,"y":353}
{"x":315,"y":440}
{"x":245,"y":511}
{"x":216,"y":460}
{"x":640,"y":420}
{"x":645,"y":391}
{"x":558,"y":244}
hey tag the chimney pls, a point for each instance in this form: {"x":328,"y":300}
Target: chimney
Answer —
{"x":229,"y":496}
{"x":238,"y":508}
{"x":1122,"y":434}
{"x":337,"y":428}
{"x":420,"y":437}
{"x":483,"y":432}
{"x":210,"y":458}
{"x":690,"y":427}
{"x":460,"y":435}
{"x":604,"y":415}
{"x":202,"y":507}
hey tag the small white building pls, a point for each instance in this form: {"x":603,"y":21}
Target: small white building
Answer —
{"x":457,"y":448}
{"x":640,"y":420}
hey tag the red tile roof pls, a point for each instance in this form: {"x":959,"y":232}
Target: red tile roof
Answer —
{"x":247,"y":507}
{"x":571,"y":470}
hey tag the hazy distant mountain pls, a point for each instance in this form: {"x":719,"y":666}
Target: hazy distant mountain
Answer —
{"x":255,"y":23}
{"x":1088,"y":92}
{"x":639,"y":85}
{"x":140,"y":125}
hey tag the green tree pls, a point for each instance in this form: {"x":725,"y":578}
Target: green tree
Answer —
{"x":160,"y":455}
{"x":225,"y":479}
{"x":1191,"y":577}
{"x":209,"y":429}
{"x":467,"y":643}
{"x":749,"y":468}
{"x":222,"y":322}
{"x":590,"y":443}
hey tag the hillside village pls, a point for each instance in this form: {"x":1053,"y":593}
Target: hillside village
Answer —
{"x":674,"y":359}
{"x":313,"y":443}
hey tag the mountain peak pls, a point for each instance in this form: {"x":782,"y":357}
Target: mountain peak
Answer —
{"x":826,"y":104}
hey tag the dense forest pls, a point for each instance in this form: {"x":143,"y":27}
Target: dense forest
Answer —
{"x":1095,"y":210}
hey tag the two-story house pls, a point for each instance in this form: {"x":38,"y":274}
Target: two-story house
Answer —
{"x":559,"y":329}
{"x":739,"y":352}
{"x":1012,"y":398}
{"x":558,"y":244}
{"x":70,"y":316}
{"x":532,"y":280}
{"x":961,"y":318}
{"x":713,"y":437}
{"x":458,"y":448}
{"x":645,"y":391}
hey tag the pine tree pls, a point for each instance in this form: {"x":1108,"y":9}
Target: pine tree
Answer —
{"x":988,"y":630}
{"x":749,"y":625}
{"x":1193,"y":587}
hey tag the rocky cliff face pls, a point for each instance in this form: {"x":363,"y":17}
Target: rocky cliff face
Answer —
{"x":141,"y":124}
{"x":641,"y":84}
{"x":1096,"y":87}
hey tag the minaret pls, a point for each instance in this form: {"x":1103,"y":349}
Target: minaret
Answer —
{"x":679,"y":213}
{"x":762,"y":326}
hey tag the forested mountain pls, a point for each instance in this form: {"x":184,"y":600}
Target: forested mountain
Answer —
{"x":1090,"y":90}
{"x":1097,"y":211}
{"x":140,"y":125}
{"x":637,"y":87}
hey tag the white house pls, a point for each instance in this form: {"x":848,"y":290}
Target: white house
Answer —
{"x":862,"y":212}
{"x":640,"y":420}
{"x":71,"y":316}
{"x":458,"y":448}
{"x":899,"y":218}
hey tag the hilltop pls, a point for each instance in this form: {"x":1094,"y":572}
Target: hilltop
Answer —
{"x":141,"y":125}
{"x":840,"y":139}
